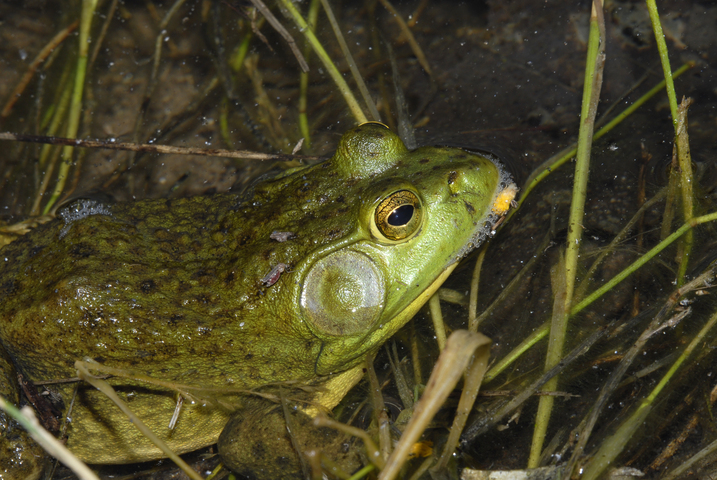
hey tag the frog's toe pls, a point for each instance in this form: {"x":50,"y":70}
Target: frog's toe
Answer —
{"x":255,"y":443}
{"x":20,"y":457}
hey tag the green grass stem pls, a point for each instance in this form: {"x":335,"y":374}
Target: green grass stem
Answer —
{"x":237,"y":59}
{"x":553,"y":164}
{"x":304,"y":79}
{"x":59,"y":110}
{"x":679,"y":121}
{"x":73,"y":121}
{"x":642,"y":260}
{"x":564,"y":282}
{"x":556,"y":341}
{"x":664,"y":58}
{"x":434,"y":306}
{"x":58,"y":116}
{"x":473,"y":299}
{"x":543,"y":330}
{"x":46,"y":440}
{"x":358,"y":78}
{"x":326,"y":60}
{"x":685,"y":161}
{"x":363,"y":472}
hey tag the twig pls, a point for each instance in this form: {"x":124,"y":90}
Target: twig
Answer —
{"x":282,"y":31}
{"x":149,"y":148}
{"x":107,"y":389}
{"x":326,"y":60}
{"x":44,"y":53}
{"x":352,"y":64}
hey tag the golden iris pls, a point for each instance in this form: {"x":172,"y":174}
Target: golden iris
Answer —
{"x":398,"y":216}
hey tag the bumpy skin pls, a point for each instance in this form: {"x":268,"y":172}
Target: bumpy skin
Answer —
{"x":173,"y":288}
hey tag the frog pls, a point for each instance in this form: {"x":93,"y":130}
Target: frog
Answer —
{"x":292,"y":282}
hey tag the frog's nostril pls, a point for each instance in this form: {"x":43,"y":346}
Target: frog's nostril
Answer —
{"x":459,"y":182}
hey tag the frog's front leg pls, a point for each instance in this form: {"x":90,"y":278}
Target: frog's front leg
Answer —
{"x":255,"y":443}
{"x":20,"y":457}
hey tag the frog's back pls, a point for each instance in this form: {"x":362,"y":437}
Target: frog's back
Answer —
{"x":145,"y":283}
{"x":167,"y":288}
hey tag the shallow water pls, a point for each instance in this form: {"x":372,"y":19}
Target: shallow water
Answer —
{"x":509,"y":78}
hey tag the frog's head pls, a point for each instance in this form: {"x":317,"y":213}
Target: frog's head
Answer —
{"x":416,"y":214}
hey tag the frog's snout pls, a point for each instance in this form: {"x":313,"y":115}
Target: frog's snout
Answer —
{"x":459,"y":181}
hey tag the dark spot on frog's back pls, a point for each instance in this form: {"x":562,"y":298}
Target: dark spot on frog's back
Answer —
{"x":333,"y":234}
{"x":246,"y":239}
{"x":471,"y":210}
{"x":258,"y":449}
{"x":35,"y":250}
{"x":424,"y":161}
{"x":92,"y":317}
{"x":283,"y":461}
{"x":82,"y":250}
{"x":147,"y":286}
{"x":204,"y":298}
{"x":334,"y":213}
{"x":8,"y":288}
{"x":452,"y":177}
{"x":204,"y":276}
{"x":174,"y":320}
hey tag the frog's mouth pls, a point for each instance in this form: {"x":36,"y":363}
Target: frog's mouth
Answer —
{"x":503,"y":200}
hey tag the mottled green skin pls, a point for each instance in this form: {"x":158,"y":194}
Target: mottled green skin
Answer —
{"x":172,"y":288}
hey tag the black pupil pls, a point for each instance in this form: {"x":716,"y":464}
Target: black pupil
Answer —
{"x":401,"y":216}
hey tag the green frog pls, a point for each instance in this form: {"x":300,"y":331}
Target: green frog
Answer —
{"x":288,"y":285}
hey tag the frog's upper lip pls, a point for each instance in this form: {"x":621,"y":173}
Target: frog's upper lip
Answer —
{"x":502,"y":201}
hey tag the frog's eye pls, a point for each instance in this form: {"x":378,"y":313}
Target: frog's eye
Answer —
{"x":399,"y":215}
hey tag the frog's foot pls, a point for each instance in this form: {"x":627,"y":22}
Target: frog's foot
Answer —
{"x":20,"y":457}
{"x":255,"y":443}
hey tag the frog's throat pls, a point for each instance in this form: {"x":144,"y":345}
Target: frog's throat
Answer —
{"x":336,"y":388}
